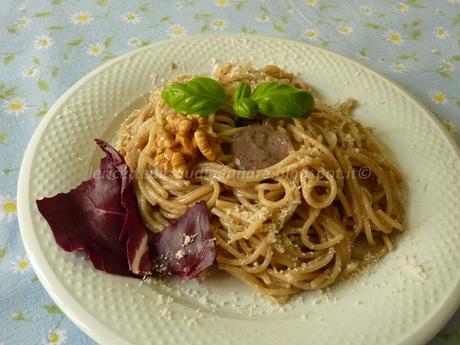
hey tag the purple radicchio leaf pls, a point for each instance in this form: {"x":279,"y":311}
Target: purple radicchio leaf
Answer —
{"x":100,"y":217}
{"x":186,"y":247}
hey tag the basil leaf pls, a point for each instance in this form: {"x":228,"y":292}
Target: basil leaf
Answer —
{"x":243,"y":90}
{"x":200,"y":95}
{"x":282,"y":100}
{"x":245,"y":107}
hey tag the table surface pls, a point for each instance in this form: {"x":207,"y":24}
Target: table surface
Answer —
{"x":47,"y":45}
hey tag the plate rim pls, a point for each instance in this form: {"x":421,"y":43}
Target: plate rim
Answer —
{"x":85,"y":320}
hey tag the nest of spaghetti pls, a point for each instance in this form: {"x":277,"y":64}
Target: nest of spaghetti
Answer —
{"x":325,"y":206}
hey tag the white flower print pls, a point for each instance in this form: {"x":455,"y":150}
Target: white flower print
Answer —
{"x":447,"y":65}
{"x":7,"y":204}
{"x":311,"y":35}
{"x":176,"y":31}
{"x":95,"y":49}
{"x":438,"y":97}
{"x":365,"y":10}
{"x":14,"y":106}
{"x":131,"y":18}
{"x":262,"y":18}
{"x":401,"y":7}
{"x":440,"y":32}
{"x":399,"y":68}
{"x":43,"y":42}
{"x":81,"y":18}
{"x":222,"y":3}
{"x":218,"y":24}
{"x":30,"y":72}
{"x":55,"y":337}
{"x":345,"y":29}
{"x":23,"y":22}
{"x":394,"y":37}
{"x":134,"y":42}
{"x":20,"y":265}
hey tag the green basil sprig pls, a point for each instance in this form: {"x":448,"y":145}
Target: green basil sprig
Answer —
{"x":204,"y":96}
{"x":199,"y":95}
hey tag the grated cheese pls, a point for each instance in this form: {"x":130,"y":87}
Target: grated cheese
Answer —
{"x":415,"y":267}
{"x":180,"y":254}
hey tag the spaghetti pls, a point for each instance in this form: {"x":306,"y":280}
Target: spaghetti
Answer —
{"x":299,"y":224}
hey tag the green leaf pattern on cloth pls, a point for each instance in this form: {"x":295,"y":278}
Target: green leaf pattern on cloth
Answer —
{"x":48,"y":45}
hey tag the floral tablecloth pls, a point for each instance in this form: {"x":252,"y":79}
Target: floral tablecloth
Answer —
{"x":47,"y":45}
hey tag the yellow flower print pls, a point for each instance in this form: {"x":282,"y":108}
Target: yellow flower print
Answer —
{"x":401,"y":7}
{"x":14,"y":106}
{"x":345,"y":29}
{"x":95,"y":49}
{"x":365,"y":10}
{"x":446,"y":65}
{"x":311,"y":2}
{"x":20,"y":265}
{"x":440,"y":32}
{"x":451,"y":128}
{"x":394,"y":37}
{"x":311,"y":35}
{"x":438,"y":97}
{"x":176,"y":31}
{"x":222,"y":2}
{"x":23,"y":22}
{"x":43,"y":42}
{"x":81,"y":18}
{"x":30,"y":72}
{"x":55,"y":337}
{"x":219,"y":24}
{"x":399,"y":68}
{"x":131,"y":18}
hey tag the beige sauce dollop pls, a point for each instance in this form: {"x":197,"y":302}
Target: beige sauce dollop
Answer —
{"x":259,"y":146}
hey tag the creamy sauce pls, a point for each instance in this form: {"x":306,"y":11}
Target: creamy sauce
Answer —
{"x":259,"y":146}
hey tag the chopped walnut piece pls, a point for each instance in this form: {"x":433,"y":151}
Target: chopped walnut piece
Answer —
{"x":180,"y":140}
{"x":208,"y":144}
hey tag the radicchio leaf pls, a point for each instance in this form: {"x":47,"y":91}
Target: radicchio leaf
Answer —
{"x":185,"y":247}
{"x":100,"y":217}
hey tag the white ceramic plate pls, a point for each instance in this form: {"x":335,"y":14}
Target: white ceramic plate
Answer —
{"x":406,"y":299}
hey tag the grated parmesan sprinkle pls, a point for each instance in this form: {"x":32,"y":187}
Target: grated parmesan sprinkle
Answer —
{"x":180,"y":254}
{"x":415,"y":267}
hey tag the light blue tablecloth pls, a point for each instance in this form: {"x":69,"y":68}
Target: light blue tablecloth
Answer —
{"x":47,"y":45}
